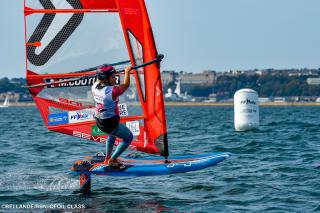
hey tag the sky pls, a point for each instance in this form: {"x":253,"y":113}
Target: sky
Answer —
{"x":202,"y":35}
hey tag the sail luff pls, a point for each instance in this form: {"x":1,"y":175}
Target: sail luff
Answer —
{"x":31,"y":11}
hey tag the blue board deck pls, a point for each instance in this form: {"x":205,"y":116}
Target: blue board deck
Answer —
{"x":150,"y":165}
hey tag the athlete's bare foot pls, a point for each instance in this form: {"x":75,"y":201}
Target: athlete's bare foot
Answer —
{"x":106,"y":160}
{"x":115,"y":163}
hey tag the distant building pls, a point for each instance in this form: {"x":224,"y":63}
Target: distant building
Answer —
{"x":264,"y":99}
{"x":205,"y":78}
{"x":307,"y":72}
{"x":260,"y":72}
{"x":167,"y":77}
{"x":232,"y":73}
{"x":313,"y":81}
{"x":11,"y":95}
{"x":279,"y":99}
{"x":251,"y":72}
{"x":294,"y":73}
{"x":292,"y":98}
{"x":170,"y":96}
{"x":212,"y":98}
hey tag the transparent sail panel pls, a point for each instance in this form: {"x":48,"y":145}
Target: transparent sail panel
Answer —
{"x":76,"y":96}
{"x":137,"y":51}
{"x":53,"y":4}
{"x":71,"y":42}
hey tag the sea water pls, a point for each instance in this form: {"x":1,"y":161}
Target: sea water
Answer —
{"x":273,"y":169}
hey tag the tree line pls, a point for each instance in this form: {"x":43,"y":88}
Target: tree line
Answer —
{"x":13,"y":85}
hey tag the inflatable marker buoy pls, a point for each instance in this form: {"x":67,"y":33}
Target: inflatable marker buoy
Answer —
{"x":246,"y":110}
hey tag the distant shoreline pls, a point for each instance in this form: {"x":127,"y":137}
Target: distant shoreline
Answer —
{"x":23,"y":104}
{"x":231,"y":104}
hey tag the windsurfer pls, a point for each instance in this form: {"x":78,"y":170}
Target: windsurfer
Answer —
{"x":106,"y":95}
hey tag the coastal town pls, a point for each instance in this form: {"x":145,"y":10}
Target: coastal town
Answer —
{"x":209,"y":86}
{"x":291,"y":85}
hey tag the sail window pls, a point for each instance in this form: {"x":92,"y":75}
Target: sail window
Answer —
{"x":137,"y":52}
{"x":95,"y":39}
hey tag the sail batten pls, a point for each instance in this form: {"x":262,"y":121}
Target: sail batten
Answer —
{"x":30,"y":11}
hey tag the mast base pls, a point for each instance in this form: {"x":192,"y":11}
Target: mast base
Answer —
{"x":166,"y":160}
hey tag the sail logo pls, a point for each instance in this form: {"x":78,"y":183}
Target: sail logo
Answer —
{"x":96,"y":131}
{"x":71,"y":102}
{"x":89,"y":137}
{"x":134,"y":127}
{"x":81,"y":116}
{"x":123,"y":110}
{"x":248,"y":101}
{"x":158,"y":91}
{"x":58,"y":118}
{"x":75,"y":83}
{"x":118,"y":80}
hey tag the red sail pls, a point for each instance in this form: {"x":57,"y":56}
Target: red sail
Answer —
{"x":65,"y":36}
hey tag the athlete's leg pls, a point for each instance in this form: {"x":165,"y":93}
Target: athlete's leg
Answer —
{"x":110,"y":141}
{"x":109,"y":146}
{"x":124,"y":133}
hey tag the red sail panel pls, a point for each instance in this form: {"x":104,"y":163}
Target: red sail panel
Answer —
{"x":138,"y":33}
{"x":65,"y":36}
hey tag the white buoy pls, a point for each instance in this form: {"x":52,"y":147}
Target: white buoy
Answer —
{"x":246,"y":110}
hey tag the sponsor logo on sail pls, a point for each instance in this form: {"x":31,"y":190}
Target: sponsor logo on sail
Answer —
{"x":134,"y":127}
{"x":96,"y":131}
{"x":123,"y":110}
{"x":89,"y":137}
{"x":88,"y":81}
{"x":58,"y":118}
{"x":75,"y":83}
{"x":81,"y":115}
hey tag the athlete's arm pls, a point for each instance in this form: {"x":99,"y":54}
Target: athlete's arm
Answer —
{"x":126,"y":82}
{"x":119,"y":90}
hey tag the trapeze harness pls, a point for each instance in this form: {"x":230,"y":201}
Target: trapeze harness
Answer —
{"x":107,"y":111}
